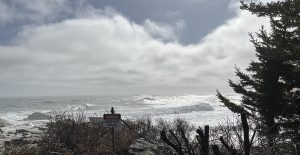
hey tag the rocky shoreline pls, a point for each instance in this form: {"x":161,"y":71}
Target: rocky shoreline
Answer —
{"x":26,"y":132}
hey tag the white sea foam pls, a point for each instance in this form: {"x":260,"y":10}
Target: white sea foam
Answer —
{"x":85,"y":106}
{"x":173,"y":101}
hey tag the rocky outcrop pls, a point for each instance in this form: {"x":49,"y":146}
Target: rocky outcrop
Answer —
{"x":143,"y":147}
{"x":3,"y":123}
{"x":37,"y":116}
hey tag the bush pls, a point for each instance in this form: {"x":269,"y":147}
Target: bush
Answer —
{"x":69,"y":133}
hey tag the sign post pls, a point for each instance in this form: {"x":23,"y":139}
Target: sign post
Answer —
{"x":112,"y":120}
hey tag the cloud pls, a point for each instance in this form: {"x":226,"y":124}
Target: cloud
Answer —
{"x":108,"y":53}
{"x":5,"y":13}
{"x":164,"y":32}
{"x":35,"y":11}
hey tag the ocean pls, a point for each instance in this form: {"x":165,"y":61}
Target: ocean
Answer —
{"x":197,"y":109}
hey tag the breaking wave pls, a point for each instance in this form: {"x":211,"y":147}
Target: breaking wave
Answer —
{"x":186,"y":109}
{"x":85,"y":106}
{"x":145,"y":98}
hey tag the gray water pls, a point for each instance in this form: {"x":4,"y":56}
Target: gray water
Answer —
{"x":198,"y":109}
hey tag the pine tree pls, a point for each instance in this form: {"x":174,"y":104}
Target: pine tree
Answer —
{"x":265,"y":88}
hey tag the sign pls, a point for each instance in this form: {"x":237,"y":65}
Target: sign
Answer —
{"x":112,"y":116}
{"x":111,"y":120}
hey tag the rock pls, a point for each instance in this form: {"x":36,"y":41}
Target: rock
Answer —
{"x":21,"y":131}
{"x":16,"y":141}
{"x":41,"y":128}
{"x":37,"y":116}
{"x":143,"y":147}
{"x":3,"y":123}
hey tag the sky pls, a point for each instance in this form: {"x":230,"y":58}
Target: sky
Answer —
{"x":122,"y":47}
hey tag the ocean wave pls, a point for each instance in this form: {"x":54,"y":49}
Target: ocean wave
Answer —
{"x":85,"y":106}
{"x":186,"y":109}
{"x":47,"y":102}
{"x":144,"y":98}
{"x":174,"y":101}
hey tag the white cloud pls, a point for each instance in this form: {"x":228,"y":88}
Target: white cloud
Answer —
{"x":108,"y":51}
{"x":160,"y":30}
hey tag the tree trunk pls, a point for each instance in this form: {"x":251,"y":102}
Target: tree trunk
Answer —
{"x":247,"y":144}
{"x":272,"y":131}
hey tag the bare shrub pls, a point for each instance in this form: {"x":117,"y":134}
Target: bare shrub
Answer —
{"x":176,"y":136}
{"x":19,"y":147}
{"x":143,"y":127}
{"x":70,"y":133}
{"x":231,"y":131}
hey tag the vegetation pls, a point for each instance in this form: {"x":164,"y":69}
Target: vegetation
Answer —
{"x":265,"y":89}
{"x":71,"y":134}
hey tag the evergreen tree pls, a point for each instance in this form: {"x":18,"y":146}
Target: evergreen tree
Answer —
{"x":265,"y":88}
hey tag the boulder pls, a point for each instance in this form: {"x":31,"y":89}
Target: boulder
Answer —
{"x":37,"y":116}
{"x":143,"y":147}
{"x":3,"y":123}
